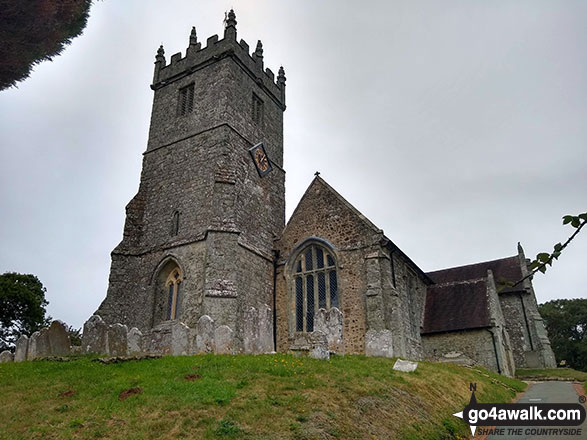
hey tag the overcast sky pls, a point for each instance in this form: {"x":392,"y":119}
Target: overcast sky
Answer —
{"x":458,"y":127}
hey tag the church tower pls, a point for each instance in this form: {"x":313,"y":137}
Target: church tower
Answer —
{"x":199,"y":233}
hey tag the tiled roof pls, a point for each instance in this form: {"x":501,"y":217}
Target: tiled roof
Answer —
{"x":505,"y":269}
{"x":458,"y":306}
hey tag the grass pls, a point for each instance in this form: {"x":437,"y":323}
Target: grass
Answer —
{"x":562,"y":373}
{"x":240,"y":397}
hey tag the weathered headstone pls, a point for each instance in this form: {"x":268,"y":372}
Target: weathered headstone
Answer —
{"x":116,"y":338}
{"x":205,"y":335}
{"x":6,"y":356}
{"x":405,"y":366}
{"x":39,"y":345}
{"x":22,"y":348}
{"x":330,"y":323}
{"x":379,"y":343}
{"x":95,"y":336}
{"x":319,"y":346}
{"x":32,"y":348}
{"x":265,"y":329}
{"x":223,"y":340}
{"x":59,"y":343}
{"x":251,"y":331}
{"x":180,"y":339}
{"x":134,"y":341}
{"x":158,"y":340}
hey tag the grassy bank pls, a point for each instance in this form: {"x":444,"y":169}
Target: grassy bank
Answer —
{"x":234,"y":397}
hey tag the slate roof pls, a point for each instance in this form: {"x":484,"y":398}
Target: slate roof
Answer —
{"x":507,"y":269}
{"x":459,"y":306}
{"x":458,"y":300}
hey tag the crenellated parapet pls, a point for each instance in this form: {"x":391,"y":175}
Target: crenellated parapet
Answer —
{"x":198,"y":57}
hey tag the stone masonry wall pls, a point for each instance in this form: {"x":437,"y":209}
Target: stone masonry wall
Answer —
{"x":197,"y":166}
{"x":474,"y":345}
{"x":369,"y":301}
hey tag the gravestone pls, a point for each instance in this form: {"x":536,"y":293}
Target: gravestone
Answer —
{"x":405,"y":366}
{"x":95,"y":336}
{"x":180,"y":339}
{"x":251,"y":331}
{"x":134,"y":341}
{"x":265,"y":329}
{"x":379,"y":343}
{"x":205,"y":335}
{"x":22,"y":348}
{"x":6,"y":356}
{"x":59,"y":343}
{"x":223,"y":340}
{"x":319,"y":346}
{"x":116,"y":340}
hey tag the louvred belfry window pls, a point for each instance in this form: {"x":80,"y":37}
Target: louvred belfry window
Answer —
{"x":315,"y":284}
{"x":185,"y":100}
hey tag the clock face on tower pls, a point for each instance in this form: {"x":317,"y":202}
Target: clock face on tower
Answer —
{"x":260,"y":159}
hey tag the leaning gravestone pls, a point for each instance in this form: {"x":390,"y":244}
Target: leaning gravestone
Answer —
{"x":223,"y":340}
{"x":95,"y":336}
{"x":6,"y":356}
{"x":22,"y":348}
{"x":59,"y":343}
{"x":205,"y":335}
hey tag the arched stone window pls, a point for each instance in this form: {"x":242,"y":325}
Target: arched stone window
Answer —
{"x":315,"y":285}
{"x":173,"y":284}
{"x":175,"y":224}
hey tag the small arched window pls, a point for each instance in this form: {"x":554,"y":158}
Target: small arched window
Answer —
{"x":175,"y":224}
{"x":173,"y":284}
{"x":315,"y":285}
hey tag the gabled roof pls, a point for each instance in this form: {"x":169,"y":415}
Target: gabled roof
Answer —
{"x":458,"y":306}
{"x":504,"y":269}
{"x":320,"y":181}
{"x":368,"y":223}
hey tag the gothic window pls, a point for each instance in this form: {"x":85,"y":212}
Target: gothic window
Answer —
{"x":175,"y":224}
{"x":315,"y":285}
{"x":185,"y":101}
{"x":173,"y":284}
{"x":257,"y":110}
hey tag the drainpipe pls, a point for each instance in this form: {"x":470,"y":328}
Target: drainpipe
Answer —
{"x":275,"y":260}
{"x":495,"y":351}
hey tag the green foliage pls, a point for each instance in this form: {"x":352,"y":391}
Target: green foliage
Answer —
{"x":33,"y":31}
{"x":566,"y":322}
{"x":544,"y":259}
{"x":22,"y":307}
{"x":75,"y":335}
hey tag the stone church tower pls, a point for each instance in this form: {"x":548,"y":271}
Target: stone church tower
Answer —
{"x":199,"y":233}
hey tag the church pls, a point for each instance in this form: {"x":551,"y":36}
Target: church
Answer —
{"x":205,"y":236}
